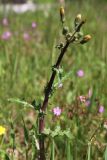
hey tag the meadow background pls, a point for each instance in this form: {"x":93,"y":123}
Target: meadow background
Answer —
{"x":28,"y":53}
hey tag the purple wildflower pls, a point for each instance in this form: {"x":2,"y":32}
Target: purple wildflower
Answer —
{"x":5,"y":21}
{"x":80,"y":73}
{"x":101,"y":109}
{"x":61,"y":1}
{"x":34,"y":25}
{"x":57,"y":111}
{"x":82,"y":98}
{"x":6,"y":35}
{"x":87,"y":103}
{"x":90,"y":93}
{"x":26,"y":36}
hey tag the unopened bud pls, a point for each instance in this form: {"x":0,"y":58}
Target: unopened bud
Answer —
{"x":78,"y":17}
{"x":60,"y":46}
{"x":77,"y":20}
{"x":80,"y":34}
{"x":65,"y":30}
{"x":85,"y":39}
{"x":62,"y":14}
{"x":68,"y":36}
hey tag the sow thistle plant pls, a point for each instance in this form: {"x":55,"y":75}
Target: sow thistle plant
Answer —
{"x":39,"y":132}
{"x":70,"y":37}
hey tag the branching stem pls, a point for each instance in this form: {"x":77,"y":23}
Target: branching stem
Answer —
{"x":48,"y":91}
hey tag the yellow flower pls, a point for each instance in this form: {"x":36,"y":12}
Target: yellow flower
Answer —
{"x":2,"y":130}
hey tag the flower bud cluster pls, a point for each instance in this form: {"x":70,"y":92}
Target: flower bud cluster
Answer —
{"x":76,"y":36}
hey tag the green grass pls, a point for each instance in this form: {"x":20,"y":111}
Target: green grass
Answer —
{"x":25,"y":66}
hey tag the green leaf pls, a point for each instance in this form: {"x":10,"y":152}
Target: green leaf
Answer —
{"x":65,"y":77}
{"x":36,"y":105}
{"x":24,"y":103}
{"x":61,"y":133}
{"x":6,"y":157}
{"x":68,"y":134}
{"x":47,"y":131}
{"x":56,"y":132}
{"x":57,"y":129}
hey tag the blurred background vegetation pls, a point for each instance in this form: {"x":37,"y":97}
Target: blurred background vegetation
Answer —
{"x":27,"y":56}
{"x":25,"y":65}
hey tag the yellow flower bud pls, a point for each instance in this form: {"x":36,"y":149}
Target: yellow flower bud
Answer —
{"x":85,"y":39}
{"x":62,"y":14}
